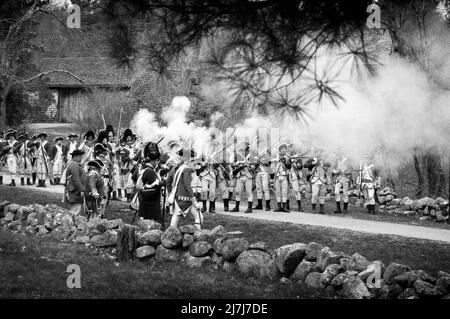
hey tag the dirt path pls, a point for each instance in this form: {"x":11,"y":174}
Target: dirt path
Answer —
{"x":347,"y":222}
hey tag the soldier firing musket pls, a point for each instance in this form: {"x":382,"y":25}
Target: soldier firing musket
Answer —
{"x":42,"y":166}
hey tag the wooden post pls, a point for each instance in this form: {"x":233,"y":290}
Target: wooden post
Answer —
{"x":126,"y":243}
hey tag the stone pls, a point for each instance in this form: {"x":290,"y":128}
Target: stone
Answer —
{"x":260,"y":245}
{"x":425,"y":202}
{"x":217,"y":259}
{"x":218,"y":245}
{"x":288,"y":257}
{"x":218,"y":231}
{"x":408,"y":204}
{"x":200,"y":249}
{"x":61,"y":233}
{"x":188,"y":229}
{"x":396,"y":201}
{"x":326,"y":257}
{"x":171,"y":238}
{"x":233,"y":248}
{"x":382,"y":199}
{"x":408,"y":278}
{"x":42,"y":230}
{"x":82,"y":239}
{"x":375,"y":268}
{"x":11,"y":208}
{"x":440,"y":216}
{"x":15,"y":225}
{"x":393,"y":270}
{"x":202,"y":234}
{"x":145,"y":252}
{"x":62,"y":219}
{"x":169,"y":255}
{"x":314,"y":280}
{"x":424,"y":289}
{"x":270,"y":270}
{"x":23,"y":212}
{"x":389,"y":198}
{"x":229,"y":266}
{"x":409,"y":213}
{"x":197,"y":262}
{"x":443,"y":284}
{"x":312,"y":251}
{"x":443,"y":274}
{"x":303,"y":269}
{"x":356,"y":262}
{"x":423,"y":218}
{"x":188,"y":240}
{"x":251,"y":262}
{"x":80,"y":220}
{"x":147,"y":224}
{"x":355,"y":288}
{"x":407,"y":294}
{"x":151,"y":237}
{"x":9,"y":217}
{"x":330,"y":272}
{"x":387,"y":191}
{"x":232,"y":234}
{"x":339,"y":280}
{"x":108,"y":238}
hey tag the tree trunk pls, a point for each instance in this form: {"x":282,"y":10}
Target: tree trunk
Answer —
{"x":420,"y":181}
{"x":126,"y":243}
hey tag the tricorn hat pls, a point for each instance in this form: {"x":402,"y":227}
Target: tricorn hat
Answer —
{"x":99,"y":147}
{"x":151,"y":151}
{"x":42,"y":134}
{"x":58,"y":138}
{"x":72,"y":135}
{"x":10,"y":132}
{"x":77,"y":152}
{"x":94,"y":163}
{"x":102,"y":134}
{"x":128,"y":132}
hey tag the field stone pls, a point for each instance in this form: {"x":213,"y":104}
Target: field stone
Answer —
{"x":357,"y":262}
{"x":407,"y":279}
{"x":62,"y":219}
{"x":218,"y":245}
{"x":151,"y":237}
{"x":229,"y":266}
{"x":270,"y":270}
{"x":314,"y":280}
{"x":12,"y":208}
{"x":440,"y":216}
{"x":188,"y":240}
{"x":251,"y":262}
{"x":330,"y":272}
{"x":389,"y":199}
{"x":218,"y":231}
{"x":355,"y":288}
{"x":197,"y":262}
{"x":188,"y":229}
{"x":217,"y":259}
{"x":61,"y":233}
{"x":312,"y":251}
{"x":23,"y":212}
{"x":147,"y":224}
{"x":424,"y":289}
{"x":82,"y":239}
{"x":200,"y":249}
{"x":327,"y":257}
{"x":145,"y":252}
{"x":171,"y":238}
{"x":426,"y":201}
{"x":108,"y":238}
{"x":408,"y":293}
{"x":9,"y":217}
{"x":15,"y":225}
{"x":393,"y":270}
{"x":443,"y":274}
{"x":443,"y":284}
{"x":303,"y":269}
{"x":80,"y":220}
{"x":233,"y":248}
{"x":202,"y":234}
{"x":382,"y":199}
{"x":169,"y":255}
{"x":42,"y":230}
{"x":339,"y":280}
{"x":288,"y":257}
{"x":260,"y":245}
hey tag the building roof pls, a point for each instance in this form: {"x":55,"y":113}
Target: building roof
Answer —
{"x":94,"y":71}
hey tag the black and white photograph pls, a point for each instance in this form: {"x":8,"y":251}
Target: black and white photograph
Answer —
{"x":225,"y":154}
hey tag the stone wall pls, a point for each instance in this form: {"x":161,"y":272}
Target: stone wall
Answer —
{"x":312,"y":264}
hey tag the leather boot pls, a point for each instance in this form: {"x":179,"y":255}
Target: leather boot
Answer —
{"x":345,"y":208}
{"x":249,"y":208}
{"x":313,"y":208}
{"x":204,"y":206}
{"x":285,"y":209}
{"x":259,"y":205}
{"x":225,"y":205}
{"x":39,"y":183}
{"x":33,"y":176}
{"x":338,"y":208}
{"x":268,"y":205}
{"x":236,"y":208}
{"x":29,"y":182}
{"x":1,"y":180}
{"x":13,"y":183}
{"x":321,"y":211}
{"x":43,"y":183}
{"x":299,"y":204}
{"x":212,"y":207}
{"x":288,"y":207}
{"x":279,"y":209}
{"x":22,"y":181}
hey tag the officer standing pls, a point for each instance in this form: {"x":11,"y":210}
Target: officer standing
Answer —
{"x":342,"y":175}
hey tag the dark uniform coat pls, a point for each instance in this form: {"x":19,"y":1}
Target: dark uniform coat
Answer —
{"x":149,"y":198}
{"x":75,"y":182}
{"x":184,"y":196}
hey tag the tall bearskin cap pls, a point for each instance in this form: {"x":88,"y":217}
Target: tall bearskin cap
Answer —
{"x":109,"y":128}
{"x":151,"y":151}
{"x":89,"y":134}
{"x":102,"y":134}
{"x":128,"y":132}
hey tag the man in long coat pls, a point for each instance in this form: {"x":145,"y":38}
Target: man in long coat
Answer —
{"x":75,"y":183}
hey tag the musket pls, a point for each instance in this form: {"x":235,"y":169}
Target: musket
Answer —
{"x":360,"y":179}
{"x":159,"y":141}
{"x":120,"y":125}
{"x":44,"y":156}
